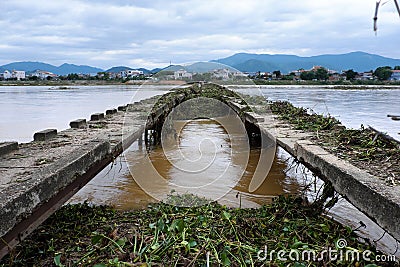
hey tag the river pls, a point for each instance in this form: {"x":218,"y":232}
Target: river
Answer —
{"x":24,"y":110}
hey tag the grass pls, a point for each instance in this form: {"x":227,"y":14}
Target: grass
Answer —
{"x":363,"y":147}
{"x":167,"y":235}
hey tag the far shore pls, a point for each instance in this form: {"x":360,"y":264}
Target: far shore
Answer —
{"x":321,"y":84}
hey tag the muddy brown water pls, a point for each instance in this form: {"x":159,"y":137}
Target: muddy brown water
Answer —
{"x":204,"y":164}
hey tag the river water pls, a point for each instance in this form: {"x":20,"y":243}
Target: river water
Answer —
{"x":24,"y":110}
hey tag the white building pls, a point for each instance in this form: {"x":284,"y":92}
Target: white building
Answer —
{"x":395,"y":75}
{"x":182,"y":74}
{"x":18,"y":74}
{"x":6,"y":75}
{"x":130,"y":73}
{"x":42,"y":74}
{"x":222,"y":74}
{"x":241,"y":74}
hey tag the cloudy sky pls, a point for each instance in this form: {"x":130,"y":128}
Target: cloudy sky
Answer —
{"x":150,"y":34}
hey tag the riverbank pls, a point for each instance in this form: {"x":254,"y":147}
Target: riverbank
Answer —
{"x":166,"y":235}
{"x":342,"y":85}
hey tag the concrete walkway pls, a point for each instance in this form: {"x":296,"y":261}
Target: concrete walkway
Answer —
{"x":36,"y":178}
{"x":373,"y":196}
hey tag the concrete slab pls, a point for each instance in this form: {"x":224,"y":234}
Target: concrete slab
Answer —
{"x":111,"y":111}
{"x":7,"y":147}
{"x":97,"y":116}
{"x":45,"y":135}
{"x":39,"y":176}
{"x":375,"y":198}
{"x":80,"y":123}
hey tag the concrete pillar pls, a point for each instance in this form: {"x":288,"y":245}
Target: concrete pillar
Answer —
{"x":45,"y":135}
{"x":97,"y":116}
{"x":122,"y":108}
{"x":80,"y":123}
{"x":111,"y":111}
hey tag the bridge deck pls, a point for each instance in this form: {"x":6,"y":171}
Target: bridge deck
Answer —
{"x":40,"y":176}
{"x":373,"y":196}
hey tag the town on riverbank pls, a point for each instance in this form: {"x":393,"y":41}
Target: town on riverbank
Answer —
{"x":317,"y":75}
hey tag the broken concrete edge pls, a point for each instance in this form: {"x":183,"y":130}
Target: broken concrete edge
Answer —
{"x":43,"y":184}
{"x":369,"y":194}
{"x":45,"y":135}
{"x":7,"y":147}
{"x":42,"y":188}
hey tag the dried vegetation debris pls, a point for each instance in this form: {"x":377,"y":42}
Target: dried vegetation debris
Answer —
{"x":364,"y":148}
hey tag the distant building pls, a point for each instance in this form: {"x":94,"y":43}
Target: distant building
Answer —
{"x":315,"y":68}
{"x":5,"y":75}
{"x":221,"y":74}
{"x":18,"y":74}
{"x":335,"y":77}
{"x":42,"y":74}
{"x":15,"y":74}
{"x":182,"y":74}
{"x":364,"y":76}
{"x":130,"y":73}
{"x":395,"y":75}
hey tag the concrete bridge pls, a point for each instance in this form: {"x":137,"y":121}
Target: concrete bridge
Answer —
{"x":38,"y":177}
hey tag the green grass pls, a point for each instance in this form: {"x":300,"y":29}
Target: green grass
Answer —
{"x":167,"y":235}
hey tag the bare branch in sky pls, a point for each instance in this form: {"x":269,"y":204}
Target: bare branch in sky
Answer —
{"x":376,"y":15}
{"x":376,"y":12}
{"x":397,"y":6}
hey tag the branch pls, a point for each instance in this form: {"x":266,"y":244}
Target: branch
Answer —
{"x":376,"y":15}
{"x":397,"y":6}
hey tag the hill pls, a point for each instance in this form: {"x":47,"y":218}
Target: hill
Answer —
{"x":64,"y":69}
{"x":359,"y":61}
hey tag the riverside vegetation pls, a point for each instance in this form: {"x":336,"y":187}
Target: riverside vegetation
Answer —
{"x":363,"y":147}
{"x":167,"y":235}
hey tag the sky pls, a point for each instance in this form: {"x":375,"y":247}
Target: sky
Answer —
{"x":150,"y":34}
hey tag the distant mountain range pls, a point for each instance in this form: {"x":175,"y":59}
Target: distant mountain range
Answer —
{"x":64,"y":69}
{"x":358,"y":61}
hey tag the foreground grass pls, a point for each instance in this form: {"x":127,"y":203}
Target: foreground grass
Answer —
{"x":167,"y":235}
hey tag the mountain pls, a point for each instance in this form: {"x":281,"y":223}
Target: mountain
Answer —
{"x":358,"y":61}
{"x":156,"y":70}
{"x":64,"y":69}
{"x":118,"y":69}
{"x":199,"y":67}
{"x":30,"y":66}
{"x":254,"y":65}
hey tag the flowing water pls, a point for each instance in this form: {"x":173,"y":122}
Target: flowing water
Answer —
{"x":222,"y":172}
